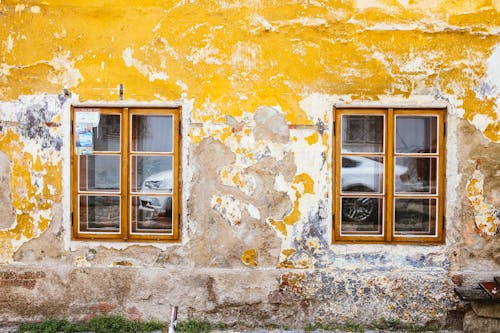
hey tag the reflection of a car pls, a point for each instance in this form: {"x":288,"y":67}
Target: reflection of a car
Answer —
{"x":363,"y":175}
{"x":153,"y":206}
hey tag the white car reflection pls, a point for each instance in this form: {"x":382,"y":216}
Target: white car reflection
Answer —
{"x":364,"y":175}
{"x":153,"y":206}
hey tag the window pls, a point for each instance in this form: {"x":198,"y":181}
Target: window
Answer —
{"x":125,"y":173}
{"x":389,"y":175}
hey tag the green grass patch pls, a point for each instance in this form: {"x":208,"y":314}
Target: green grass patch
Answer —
{"x":99,"y":324}
{"x":194,"y":326}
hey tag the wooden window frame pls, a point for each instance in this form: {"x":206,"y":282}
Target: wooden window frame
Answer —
{"x":125,"y":234}
{"x":388,"y":194}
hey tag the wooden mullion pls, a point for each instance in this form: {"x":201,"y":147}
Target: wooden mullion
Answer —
{"x":150,"y":153}
{"x":176,"y":195}
{"x":124,"y":188}
{"x":74,"y":180}
{"x":441,"y":176}
{"x":105,"y":153}
{"x":337,"y":183}
{"x":389,"y":178}
{"x":178,"y":176}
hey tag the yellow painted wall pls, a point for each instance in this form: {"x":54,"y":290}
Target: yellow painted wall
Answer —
{"x":232,"y":57}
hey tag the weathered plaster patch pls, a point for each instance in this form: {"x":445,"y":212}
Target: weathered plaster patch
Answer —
{"x":238,"y":177}
{"x":7,"y":212}
{"x":270,"y":125}
{"x":246,"y":57}
{"x":10,"y":43}
{"x":228,"y":207}
{"x":493,"y":72}
{"x":482,"y":121}
{"x":34,"y":148}
{"x":487,"y":217}
{"x":304,"y":21}
{"x":206,"y":54}
{"x":145,"y":69}
{"x":68,"y":76}
{"x":19,"y":8}
{"x":365,"y":4}
{"x":253,"y":211}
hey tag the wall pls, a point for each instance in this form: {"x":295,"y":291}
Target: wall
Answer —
{"x":257,"y":81}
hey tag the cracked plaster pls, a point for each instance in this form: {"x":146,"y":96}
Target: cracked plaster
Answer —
{"x":257,"y":123}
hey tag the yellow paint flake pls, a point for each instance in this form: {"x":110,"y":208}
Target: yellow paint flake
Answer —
{"x":312,"y":139}
{"x":43,"y":224}
{"x":249,"y":258}
{"x":196,"y":135}
{"x":288,"y":252}
{"x":307,"y":182}
{"x":294,"y":215}
{"x":123,"y":263}
{"x":286,"y":264}
{"x":236,"y":178}
{"x":81,"y":261}
{"x":280,"y":226}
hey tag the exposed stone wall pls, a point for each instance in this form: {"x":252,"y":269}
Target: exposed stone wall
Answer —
{"x":257,"y":97}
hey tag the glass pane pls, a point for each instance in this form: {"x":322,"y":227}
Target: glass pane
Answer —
{"x":362,"y":134}
{"x":415,"y":216}
{"x":151,"y":214}
{"x":362,"y":174}
{"x":416,"y":134}
{"x":152,"y":174}
{"x":152,"y":133}
{"x":99,"y":213}
{"x":99,"y":172}
{"x":362,"y":215}
{"x":106,"y":135}
{"x":415,"y":175}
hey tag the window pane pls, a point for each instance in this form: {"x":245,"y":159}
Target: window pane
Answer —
{"x":151,"y":214}
{"x":415,"y":175}
{"x":106,"y":133}
{"x":152,"y":174}
{"x":362,"y":174}
{"x":416,"y":134}
{"x":99,"y":213}
{"x":415,"y":216}
{"x":362,"y":134}
{"x":99,"y":172}
{"x":152,"y":133}
{"x":362,"y":215}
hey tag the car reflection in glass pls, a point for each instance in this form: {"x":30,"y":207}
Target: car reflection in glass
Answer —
{"x":364,"y":175}
{"x":157,"y":207}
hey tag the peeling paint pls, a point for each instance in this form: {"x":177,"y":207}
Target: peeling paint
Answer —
{"x":229,"y":208}
{"x":143,"y":68}
{"x":258,"y":97}
{"x":486,"y":215}
{"x":36,"y":157}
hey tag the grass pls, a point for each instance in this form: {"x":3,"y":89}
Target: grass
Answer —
{"x":116,"y":324}
{"x":99,"y":324}
{"x":119,"y":324}
{"x":194,"y":326}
